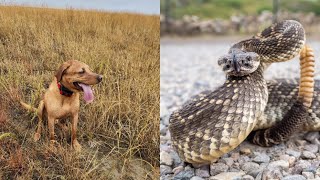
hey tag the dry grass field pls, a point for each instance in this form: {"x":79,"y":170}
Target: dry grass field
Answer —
{"x":119,"y":131}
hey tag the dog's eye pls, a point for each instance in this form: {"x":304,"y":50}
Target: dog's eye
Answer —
{"x":82,"y":72}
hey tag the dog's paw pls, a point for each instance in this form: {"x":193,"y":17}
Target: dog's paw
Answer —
{"x":54,"y":145}
{"x":36,"y":137}
{"x":76,"y":145}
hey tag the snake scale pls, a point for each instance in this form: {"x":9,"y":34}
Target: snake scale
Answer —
{"x":214,"y":123}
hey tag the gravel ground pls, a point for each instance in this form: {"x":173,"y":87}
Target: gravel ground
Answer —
{"x":189,"y":67}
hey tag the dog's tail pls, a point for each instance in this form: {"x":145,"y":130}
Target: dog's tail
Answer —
{"x":40,"y":114}
{"x":28,"y":107}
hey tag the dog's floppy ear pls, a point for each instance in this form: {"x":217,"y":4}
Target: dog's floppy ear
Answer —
{"x":61,"y":71}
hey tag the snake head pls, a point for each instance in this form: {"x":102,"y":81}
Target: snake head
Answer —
{"x":239,"y":63}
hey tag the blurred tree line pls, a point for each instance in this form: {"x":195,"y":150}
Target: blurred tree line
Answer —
{"x":225,"y":8}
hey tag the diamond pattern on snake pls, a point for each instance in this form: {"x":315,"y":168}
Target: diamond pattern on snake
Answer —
{"x":215,"y":122}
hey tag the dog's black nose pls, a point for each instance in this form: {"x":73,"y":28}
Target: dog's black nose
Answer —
{"x":99,"y":78}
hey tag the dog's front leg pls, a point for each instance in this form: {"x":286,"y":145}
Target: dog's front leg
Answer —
{"x":51,"y":132}
{"x":74,"y":140}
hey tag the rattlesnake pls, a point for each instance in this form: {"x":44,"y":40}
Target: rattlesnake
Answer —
{"x":214,"y":123}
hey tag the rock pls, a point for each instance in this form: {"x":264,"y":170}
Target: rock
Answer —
{"x":312,"y":148}
{"x":259,"y":176}
{"x":300,"y":142}
{"x":243,"y":159}
{"x":293,"y":153}
{"x":284,"y":157}
{"x":187,"y":174}
{"x":308,"y":175}
{"x":247,"y":177}
{"x":294,"y":177}
{"x":165,"y":158}
{"x":295,"y":170}
{"x":318,"y":172}
{"x":166,"y":177}
{"x":165,"y":170}
{"x":250,"y":167}
{"x":176,"y":159}
{"x":228,"y":176}
{"x":291,"y":161}
{"x":288,"y":158}
{"x":272,"y":173}
{"x":308,"y":155}
{"x":303,"y":164}
{"x":245,"y":150}
{"x":261,"y":157}
{"x":235,"y":156}
{"x":228,"y":161}
{"x":280,"y":163}
{"x":216,"y":168}
{"x":300,"y":166}
{"x":196,"y":178}
{"x":163,"y":129}
{"x":164,"y":112}
{"x":203,"y":171}
{"x":312,"y":136}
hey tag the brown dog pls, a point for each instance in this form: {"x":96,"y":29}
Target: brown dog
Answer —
{"x":62,"y":98}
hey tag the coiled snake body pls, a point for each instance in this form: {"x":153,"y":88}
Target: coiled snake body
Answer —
{"x":214,"y":123}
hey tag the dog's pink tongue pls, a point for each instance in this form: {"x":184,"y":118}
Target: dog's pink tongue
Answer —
{"x":87,"y":93}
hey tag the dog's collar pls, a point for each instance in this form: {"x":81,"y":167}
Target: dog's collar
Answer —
{"x":63,"y":90}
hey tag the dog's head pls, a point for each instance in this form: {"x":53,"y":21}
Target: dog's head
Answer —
{"x":77,"y":77}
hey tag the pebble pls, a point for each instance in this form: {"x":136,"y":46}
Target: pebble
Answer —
{"x":312,"y":137}
{"x":300,"y":166}
{"x":216,"y":168}
{"x":261,"y":157}
{"x":312,"y":148}
{"x":272,"y":173}
{"x":288,"y":158}
{"x":228,"y":161}
{"x":308,"y":155}
{"x":196,"y":178}
{"x":245,"y":150}
{"x":247,"y":177}
{"x":166,"y":177}
{"x":187,"y":174}
{"x":280,"y":163}
{"x":293,"y":153}
{"x":202,"y":171}
{"x":165,"y":158}
{"x":308,"y":175}
{"x":294,"y":177}
{"x":235,"y":156}
{"x":165,"y":170}
{"x":243,"y":159}
{"x":163,"y":129}
{"x":176,"y":159}
{"x":301,"y":142}
{"x":250,"y":167}
{"x":227,"y":176}
{"x":318,"y":172}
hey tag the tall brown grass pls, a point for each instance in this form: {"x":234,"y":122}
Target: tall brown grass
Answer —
{"x":119,"y":131}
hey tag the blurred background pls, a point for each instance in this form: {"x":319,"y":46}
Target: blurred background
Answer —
{"x":222,"y":17}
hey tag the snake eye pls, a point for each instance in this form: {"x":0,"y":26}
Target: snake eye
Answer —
{"x":248,"y":58}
